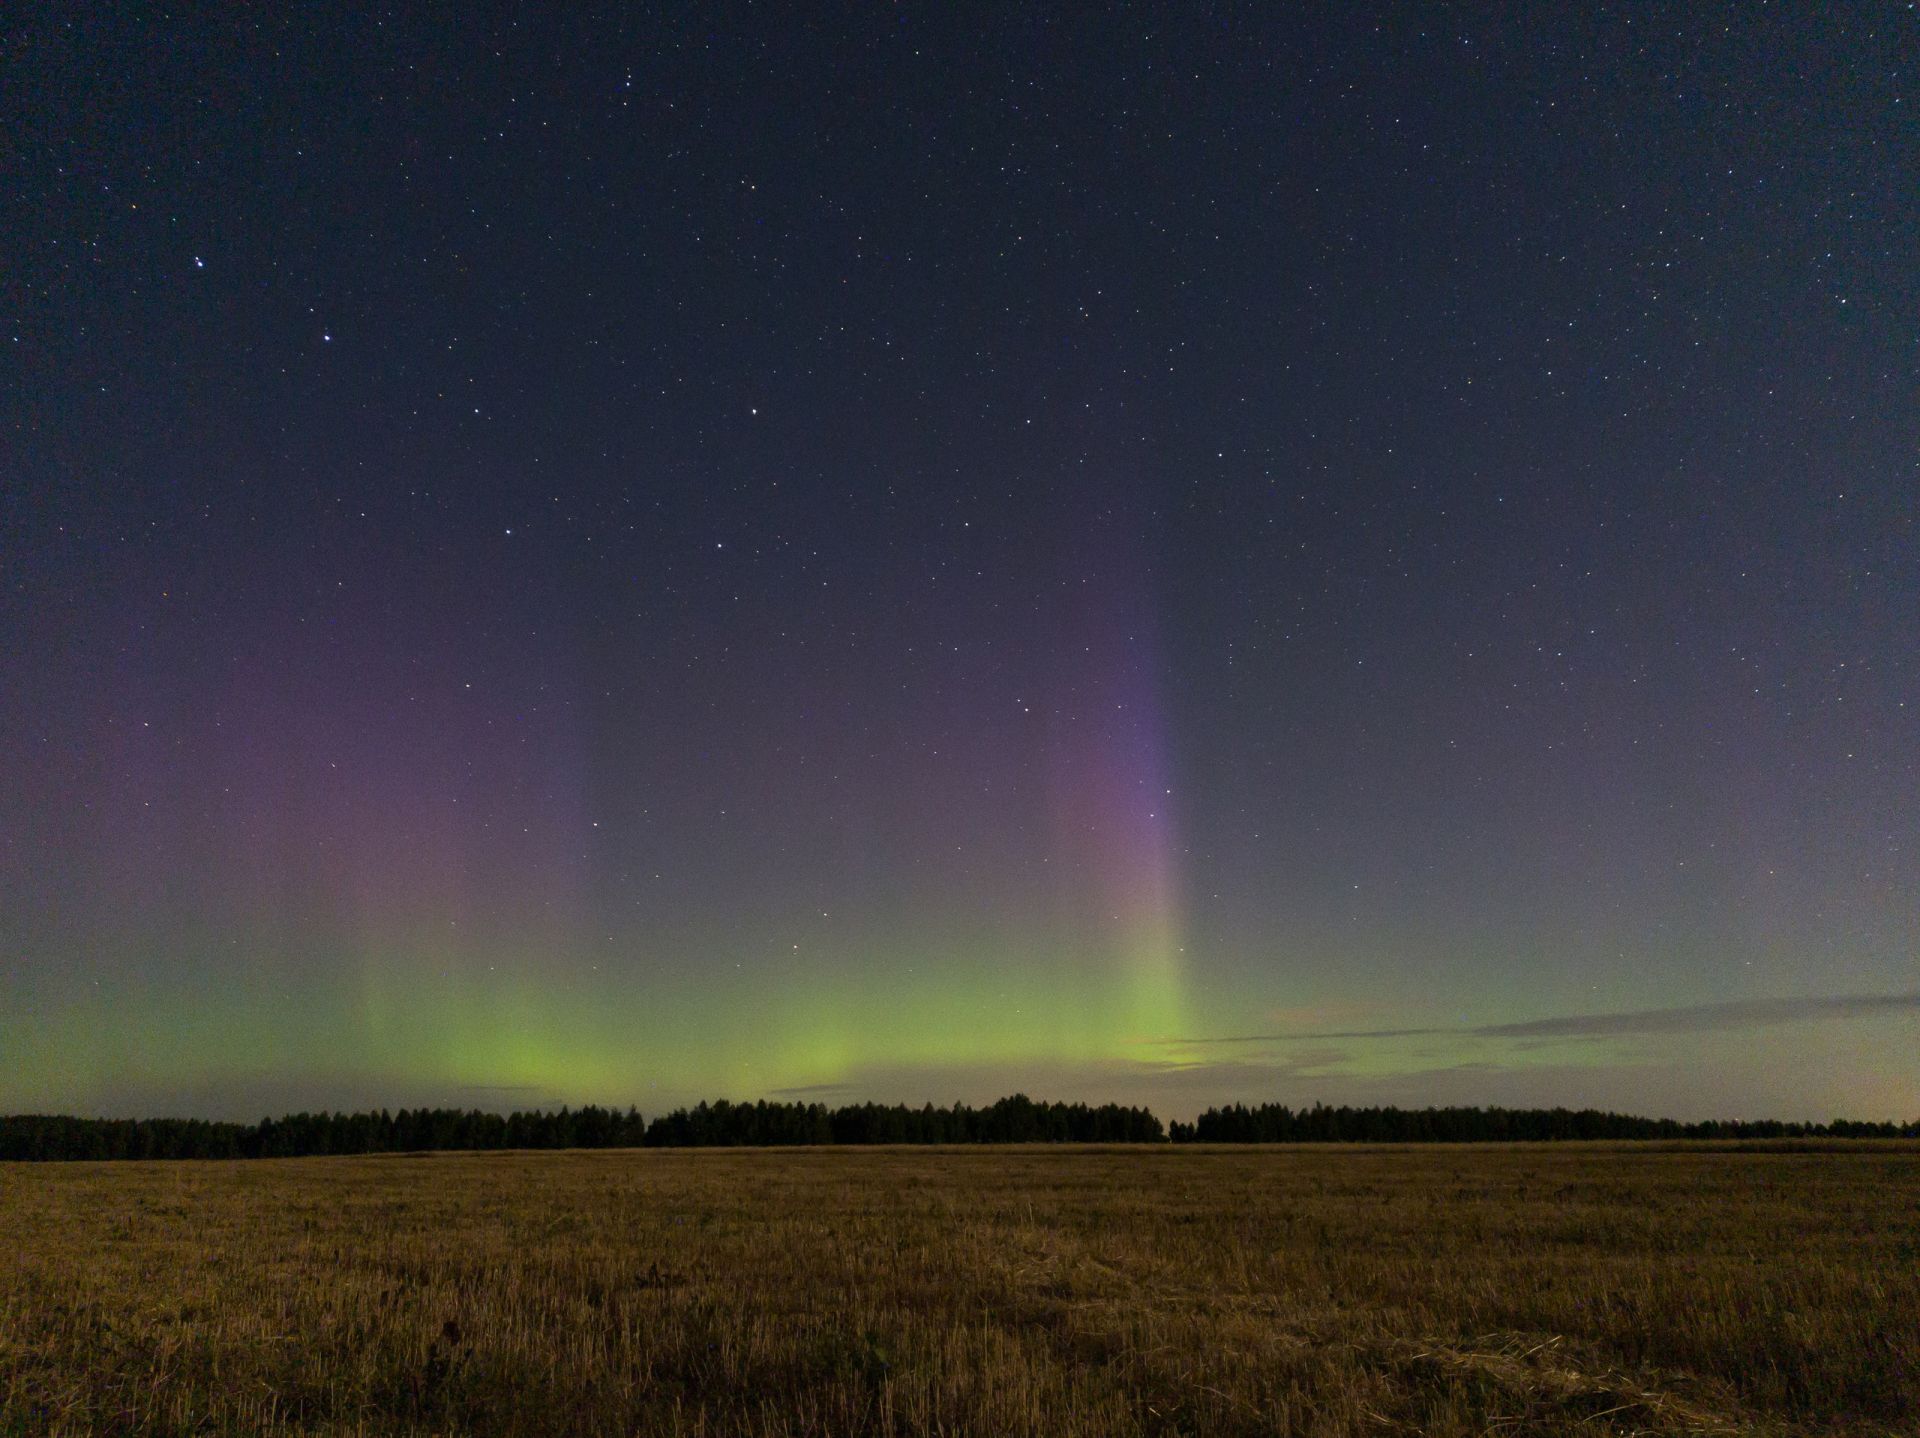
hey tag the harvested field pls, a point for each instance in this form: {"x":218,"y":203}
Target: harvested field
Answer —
{"x":1046,"y":1291}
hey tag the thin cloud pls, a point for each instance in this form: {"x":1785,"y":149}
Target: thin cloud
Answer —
{"x":1693,"y":1018}
{"x":1296,"y":1038}
{"x":1742,"y":1014}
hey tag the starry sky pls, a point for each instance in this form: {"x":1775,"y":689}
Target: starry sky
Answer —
{"x":1160,"y":555}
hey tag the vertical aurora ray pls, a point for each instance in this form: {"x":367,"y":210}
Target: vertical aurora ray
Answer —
{"x":1112,"y":805}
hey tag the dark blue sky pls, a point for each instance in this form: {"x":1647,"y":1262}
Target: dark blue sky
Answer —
{"x":640,"y":555}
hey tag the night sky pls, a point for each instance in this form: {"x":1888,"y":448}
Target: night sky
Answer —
{"x":914,"y":553}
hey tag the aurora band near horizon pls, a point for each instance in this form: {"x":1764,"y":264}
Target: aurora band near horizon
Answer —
{"x":356,"y":941}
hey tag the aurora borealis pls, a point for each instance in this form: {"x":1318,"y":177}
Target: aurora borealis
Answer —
{"x":1154,"y":559}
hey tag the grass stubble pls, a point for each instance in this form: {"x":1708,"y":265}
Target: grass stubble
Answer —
{"x":1576,"y":1289}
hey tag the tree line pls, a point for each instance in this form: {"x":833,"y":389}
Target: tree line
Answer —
{"x":301,"y":1134}
{"x":1018,"y":1119}
{"x":1276,"y":1123}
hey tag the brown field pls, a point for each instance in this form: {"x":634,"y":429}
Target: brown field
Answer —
{"x":1584,"y":1290}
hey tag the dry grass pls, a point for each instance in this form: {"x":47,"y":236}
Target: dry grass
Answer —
{"x":1027,"y":1291}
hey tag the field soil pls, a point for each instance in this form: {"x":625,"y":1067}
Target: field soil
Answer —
{"x":1574,"y":1289}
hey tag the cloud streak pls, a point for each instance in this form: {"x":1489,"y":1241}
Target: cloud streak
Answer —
{"x":1693,"y":1018}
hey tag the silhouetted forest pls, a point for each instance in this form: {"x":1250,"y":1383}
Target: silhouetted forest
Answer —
{"x":296,"y":1135}
{"x":1018,"y":1119}
{"x":1276,"y":1123}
